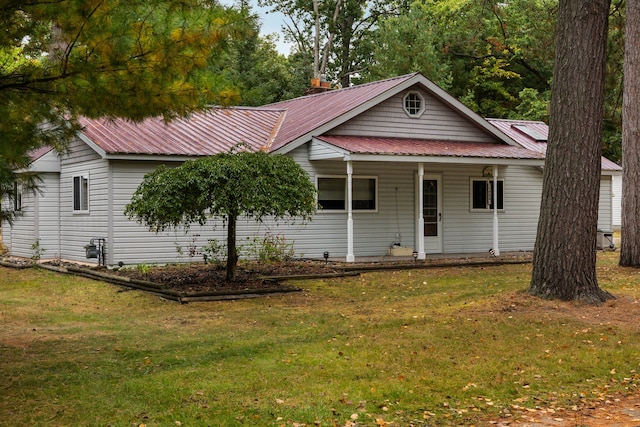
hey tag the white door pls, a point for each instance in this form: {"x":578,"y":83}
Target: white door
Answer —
{"x":432,"y":213}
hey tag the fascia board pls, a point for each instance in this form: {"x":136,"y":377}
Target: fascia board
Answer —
{"x":150,"y":157}
{"x":95,"y":147}
{"x":442,"y":159}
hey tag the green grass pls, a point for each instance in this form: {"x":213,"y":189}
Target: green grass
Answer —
{"x":444,"y":346}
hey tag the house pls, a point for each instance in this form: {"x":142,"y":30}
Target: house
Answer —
{"x":424,"y":173}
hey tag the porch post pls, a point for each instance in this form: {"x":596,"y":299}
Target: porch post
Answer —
{"x":421,"y":253}
{"x":350,"y":256}
{"x":496,"y":248}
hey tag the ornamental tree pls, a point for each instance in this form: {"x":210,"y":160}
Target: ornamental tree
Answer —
{"x":227,"y":186}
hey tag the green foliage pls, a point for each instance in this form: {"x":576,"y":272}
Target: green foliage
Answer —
{"x":271,"y":248}
{"x":532,"y":106}
{"x":484,"y":53}
{"x":348,"y":38}
{"x":227,"y":186}
{"x":113,"y":58}
{"x":407,"y":43}
{"x":37,"y":250}
{"x":214,"y":251}
{"x":143,"y":268}
{"x":254,"y":66}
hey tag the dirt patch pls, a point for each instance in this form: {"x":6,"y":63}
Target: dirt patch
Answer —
{"x":607,"y":410}
{"x":622,"y":311}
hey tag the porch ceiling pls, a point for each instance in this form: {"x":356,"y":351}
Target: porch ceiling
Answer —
{"x":382,"y":146}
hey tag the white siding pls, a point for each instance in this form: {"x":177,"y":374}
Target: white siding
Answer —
{"x":471,"y":231}
{"x":48,"y":223}
{"x":616,"y":202}
{"x":22,"y":234}
{"x":605,"y":209}
{"x":77,"y":228}
{"x":112,"y":185}
{"x":439,"y":122}
{"x":79,"y":152}
{"x":38,"y":222}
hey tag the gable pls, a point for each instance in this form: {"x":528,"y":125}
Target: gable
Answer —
{"x":439,"y":121}
{"x":79,"y":152}
{"x":49,"y":162}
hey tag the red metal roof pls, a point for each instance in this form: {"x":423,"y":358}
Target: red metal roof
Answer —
{"x":422,"y":147}
{"x":39,"y":152}
{"x":512,"y":129}
{"x":201,"y":134}
{"x":273,"y":126}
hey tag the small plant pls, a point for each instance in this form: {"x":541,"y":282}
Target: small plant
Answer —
{"x":37,"y":250}
{"x":214,"y":252}
{"x":192,"y":248}
{"x":179,"y":250}
{"x":271,"y":248}
{"x":144,"y":269}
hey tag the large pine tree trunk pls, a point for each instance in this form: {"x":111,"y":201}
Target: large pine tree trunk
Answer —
{"x":564,"y":264}
{"x":630,"y":247}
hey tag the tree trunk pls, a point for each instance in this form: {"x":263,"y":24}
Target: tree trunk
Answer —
{"x":232,"y":253}
{"x":564,"y":263}
{"x":630,"y":247}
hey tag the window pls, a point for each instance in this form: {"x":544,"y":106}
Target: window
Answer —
{"x":332,"y":193}
{"x":81,"y":193}
{"x":17,"y":197}
{"x":482,"y":194}
{"x":413,"y":104}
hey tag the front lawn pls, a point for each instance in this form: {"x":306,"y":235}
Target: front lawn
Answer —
{"x":456,"y":345}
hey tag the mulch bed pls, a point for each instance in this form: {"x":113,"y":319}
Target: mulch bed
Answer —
{"x":199,"y":277}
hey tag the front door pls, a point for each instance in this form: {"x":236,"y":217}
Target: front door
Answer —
{"x":432,"y":213}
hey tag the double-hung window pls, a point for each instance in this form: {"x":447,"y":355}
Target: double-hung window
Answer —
{"x":81,"y":193}
{"x":482,"y":194}
{"x":332,"y":193}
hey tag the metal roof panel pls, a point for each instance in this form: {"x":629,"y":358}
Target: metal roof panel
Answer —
{"x":207,"y":133}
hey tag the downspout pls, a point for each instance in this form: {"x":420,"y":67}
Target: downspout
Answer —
{"x":110,"y":259}
{"x":59,"y":216}
{"x":496,"y":248}
{"x":421,"y":253}
{"x":350,"y":256}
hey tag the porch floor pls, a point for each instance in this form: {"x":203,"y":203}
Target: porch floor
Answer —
{"x":449,"y":258}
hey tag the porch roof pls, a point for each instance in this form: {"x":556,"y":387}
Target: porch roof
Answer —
{"x":349,"y":145}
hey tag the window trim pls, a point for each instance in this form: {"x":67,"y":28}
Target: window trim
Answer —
{"x":353,"y":178}
{"x":487,"y":181}
{"x":17,"y":197}
{"x":422,"y":109}
{"x":83,"y":194}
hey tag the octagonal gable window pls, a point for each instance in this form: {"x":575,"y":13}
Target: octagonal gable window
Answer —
{"x":413,"y":104}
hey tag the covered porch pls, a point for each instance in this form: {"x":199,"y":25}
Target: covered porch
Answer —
{"x":451,"y":181}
